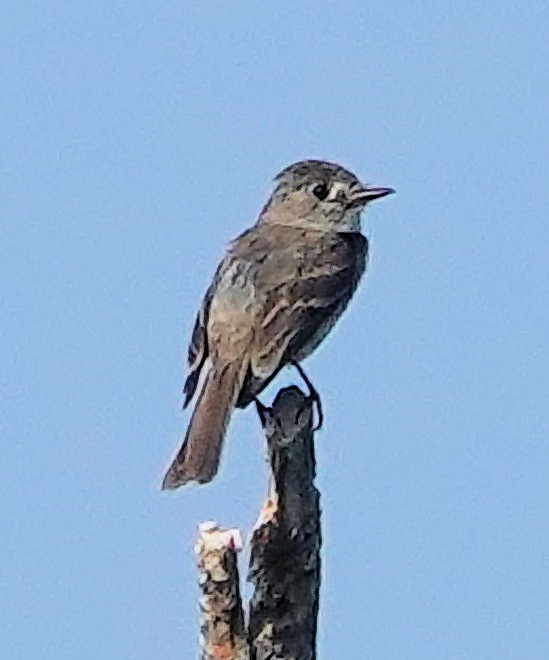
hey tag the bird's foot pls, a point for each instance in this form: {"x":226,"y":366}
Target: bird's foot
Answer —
{"x":262,"y":411}
{"x":313,"y":395}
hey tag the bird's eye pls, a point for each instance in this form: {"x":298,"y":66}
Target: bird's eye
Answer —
{"x":320,"y":191}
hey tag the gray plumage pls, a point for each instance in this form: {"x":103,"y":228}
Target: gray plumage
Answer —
{"x":275,"y":296}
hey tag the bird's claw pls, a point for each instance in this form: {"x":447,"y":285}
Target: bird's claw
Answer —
{"x":262,"y":411}
{"x":313,"y":396}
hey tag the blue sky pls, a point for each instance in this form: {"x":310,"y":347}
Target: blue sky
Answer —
{"x":136,"y":140}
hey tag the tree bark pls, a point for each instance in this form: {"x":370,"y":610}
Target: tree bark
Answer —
{"x":285,"y":552}
{"x":223,"y":633}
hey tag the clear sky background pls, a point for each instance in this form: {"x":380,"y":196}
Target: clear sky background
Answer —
{"x":137,"y":139}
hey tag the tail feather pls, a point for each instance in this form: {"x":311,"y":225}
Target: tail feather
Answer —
{"x":198,"y":458}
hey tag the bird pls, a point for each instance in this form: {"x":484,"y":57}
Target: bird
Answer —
{"x":276,"y":294}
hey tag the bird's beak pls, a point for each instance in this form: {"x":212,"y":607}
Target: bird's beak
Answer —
{"x":366,"y":194}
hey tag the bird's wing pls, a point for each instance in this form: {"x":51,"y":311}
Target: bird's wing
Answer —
{"x":198,"y":346}
{"x":305,"y":286}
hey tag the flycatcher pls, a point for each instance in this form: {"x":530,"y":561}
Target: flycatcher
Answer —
{"x":277,"y":293}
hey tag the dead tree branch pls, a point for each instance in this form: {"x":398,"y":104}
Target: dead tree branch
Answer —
{"x":223,"y":634}
{"x":285,"y":552}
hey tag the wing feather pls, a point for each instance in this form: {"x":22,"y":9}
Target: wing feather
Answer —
{"x":305,"y":296}
{"x":198,"y":346}
{"x":297,"y":284}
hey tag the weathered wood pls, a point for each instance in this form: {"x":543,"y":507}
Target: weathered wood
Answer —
{"x":285,"y":552}
{"x":223,"y":633}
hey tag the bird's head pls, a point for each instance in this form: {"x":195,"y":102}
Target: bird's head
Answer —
{"x":320,"y":195}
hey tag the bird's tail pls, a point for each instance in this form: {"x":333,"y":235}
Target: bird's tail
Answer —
{"x":198,"y":458}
